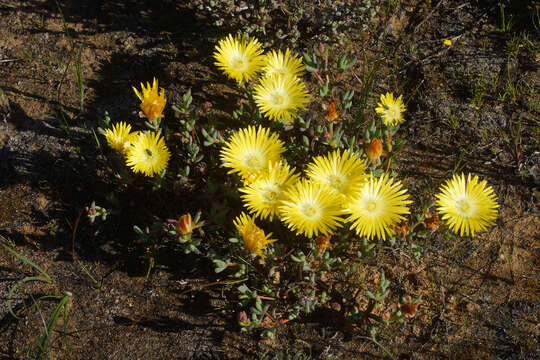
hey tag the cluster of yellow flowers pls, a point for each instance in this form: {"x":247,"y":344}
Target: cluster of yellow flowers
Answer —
{"x":335,"y":185}
{"x":145,"y":152}
{"x":336,"y":190}
{"x":280,"y":93}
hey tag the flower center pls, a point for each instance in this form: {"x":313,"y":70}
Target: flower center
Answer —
{"x":278,"y":99}
{"x":465,"y":207}
{"x":239,"y":63}
{"x":393,"y":112}
{"x":310,"y":211}
{"x":270,"y":196}
{"x":371,"y":205}
{"x":253,"y":161}
{"x":336,"y":182}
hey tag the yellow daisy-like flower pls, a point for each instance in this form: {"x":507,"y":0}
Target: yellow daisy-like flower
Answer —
{"x":467,"y":205}
{"x":311,"y":208}
{"x":343,"y":173}
{"x":391,"y":109}
{"x":249,"y":151}
{"x":288,"y":64}
{"x":148,"y":154}
{"x":239,"y":58}
{"x":264,"y":195}
{"x":378,"y":206}
{"x":119,"y":136}
{"x":281,"y":97}
{"x":255,"y":240}
{"x":152,"y":101}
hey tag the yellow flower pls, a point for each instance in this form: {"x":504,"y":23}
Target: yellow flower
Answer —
{"x":255,"y":240}
{"x":310,"y":209}
{"x":280,"y":97}
{"x":249,"y":151}
{"x":391,"y":109}
{"x":378,"y":206}
{"x":277,"y":63}
{"x":264,"y":195}
{"x":152,"y":102}
{"x":344,"y":174}
{"x":148,"y":154}
{"x":239,"y":58}
{"x":467,"y":205}
{"x":119,"y":136}
{"x":447,"y":42}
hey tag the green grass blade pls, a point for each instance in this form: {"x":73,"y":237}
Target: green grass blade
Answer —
{"x":25,"y":260}
{"x":19,"y":283}
{"x":50,"y":326}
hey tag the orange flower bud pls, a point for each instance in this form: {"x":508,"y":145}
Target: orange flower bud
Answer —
{"x":185,"y":225}
{"x":374,"y":150}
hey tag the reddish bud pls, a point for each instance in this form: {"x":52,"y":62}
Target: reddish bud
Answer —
{"x":185,"y":225}
{"x":374,"y":150}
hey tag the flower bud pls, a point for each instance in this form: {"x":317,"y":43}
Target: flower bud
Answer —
{"x":374,"y":150}
{"x":185,"y":225}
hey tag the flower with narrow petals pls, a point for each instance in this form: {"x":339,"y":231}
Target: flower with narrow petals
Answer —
{"x":239,"y":58}
{"x":391,"y":109}
{"x":152,"y":101}
{"x":467,"y":205}
{"x":344,"y":174}
{"x":249,"y":151}
{"x":255,"y":240}
{"x":263,"y":196}
{"x":288,"y":64}
{"x":377,"y":207}
{"x":148,"y":154}
{"x":119,"y":136}
{"x":281,"y":97}
{"x":311,"y":208}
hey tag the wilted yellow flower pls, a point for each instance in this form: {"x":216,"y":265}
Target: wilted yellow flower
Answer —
{"x":343,"y":173}
{"x":467,"y":205}
{"x":288,"y":64}
{"x":281,"y":97}
{"x":255,"y":240}
{"x":119,"y":136}
{"x":391,"y":109}
{"x":239,"y":58}
{"x":249,"y":151}
{"x":264,"y":195}
{"x":311,"y":208}
{"x":152,"y":102}
{"x":377,"y":207}
{"x":148,"y":154}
